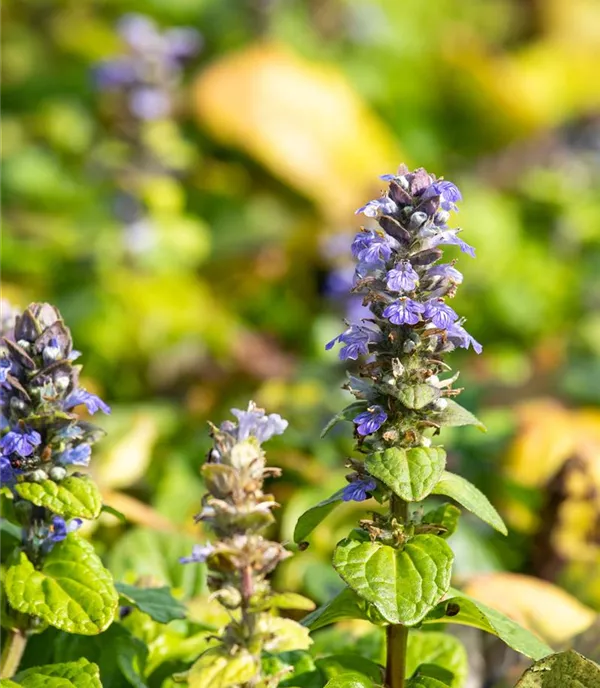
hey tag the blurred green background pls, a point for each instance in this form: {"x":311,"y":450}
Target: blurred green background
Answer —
{"x":199,"y":253}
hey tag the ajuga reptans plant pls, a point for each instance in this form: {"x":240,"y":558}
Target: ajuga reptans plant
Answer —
{"x":397,"y":564}
{"x":52,"y":575}
{"x":239,"y":561}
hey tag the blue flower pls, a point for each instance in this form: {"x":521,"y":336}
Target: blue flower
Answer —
{"x":440,"y":314}
{"x":199,"y":555}
{"x":458,"y":336}
{"x":404,"y":312}
{"x":255,"y":423}
{"x":5,"y":366}
{"x":449,"y":236}
{"x":23,"y":442}
{"x":357,"y":490}
{"x":371,"y":247}
{"x":448,"y":193}
{"x":446,"y":271}
{"x":92,"y":402}
{"x":60,"y":528}
{"x":370,"y":421}
{"x":76,"y":456}
{"x":402,"y":278}
{"x":356,"y":340}
{"x":377,"y":207}
{"x":114,"y":74}
{"x":7,"y":472}
{"x":149,"y":103}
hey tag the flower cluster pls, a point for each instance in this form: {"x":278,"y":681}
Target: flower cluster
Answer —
{"x":238,"y":511}
{"x":43,"y":436}
{"x":151,"y":68}
{"x":411,"y":325}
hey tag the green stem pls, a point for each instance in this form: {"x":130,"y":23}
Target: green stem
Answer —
{"x":397,"y":635}
{"x":12,"y":653}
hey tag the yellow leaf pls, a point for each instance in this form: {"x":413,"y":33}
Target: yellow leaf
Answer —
{"x":300,"y":119}
{"x":539,"y":606}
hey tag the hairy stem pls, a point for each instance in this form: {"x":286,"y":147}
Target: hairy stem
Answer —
{"x":397,"y":635}
{"x":12,"y":652}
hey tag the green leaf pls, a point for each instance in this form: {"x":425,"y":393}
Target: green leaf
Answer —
{"x":286,"y":600}
{"x":446,"y":652}
{"x":282,"y":635}
{"x":311,"y":518}
{"x":158,"y":603}
{"x":216,"y":668}
{"x":461,"y":609}
{"x":446,"y":515}
{"x":74,"y":497}
{"x":7,"y":683}
{"x":455,"y":415}
{"x":434,"y":671}
{"x":145,"y":552}
{"x":350,"y":679}
{"x":337,"y":665}
{"x":418,"y":396}
{"x":72,"y":591}
{"x":410,"y":473}
{"x":466,"y":494}
{"x":419,"y":681}
{"x":563,"y":670}
{"x":10,"y":529}
{"x":349,"y":413}
{"x":403,"y":585}
{"x":79,"y":674}
{"x":345,"y":605}
{"x":114,"y":512}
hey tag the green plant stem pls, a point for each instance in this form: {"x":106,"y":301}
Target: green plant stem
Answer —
{"x":397,"y":635}
{"x":12,"y":653}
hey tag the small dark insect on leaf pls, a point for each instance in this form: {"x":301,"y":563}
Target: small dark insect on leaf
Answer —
{"x":452,"y":609}
{"x":302,"y":546}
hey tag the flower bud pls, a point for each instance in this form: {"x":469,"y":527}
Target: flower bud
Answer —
{"x":57,"y":473}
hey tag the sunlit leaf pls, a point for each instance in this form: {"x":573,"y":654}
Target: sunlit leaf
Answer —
{"x":79,"y":674}
{"x":311,"y":518}
{"x":73,"y":497}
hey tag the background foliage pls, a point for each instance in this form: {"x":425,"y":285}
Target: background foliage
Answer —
{"x":284,"y":120}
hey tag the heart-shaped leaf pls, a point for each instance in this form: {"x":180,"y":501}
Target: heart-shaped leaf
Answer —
{"x":158,"y":603}
{"x":79,"y":674}
{"x":469,"y":612}
{"x":455,"y":415}
{"x":311,"y":518}
{"x":466,"y":494}
{"x":410,"y":473}
{"x":216,"y":668}
{"x":403,"y":585}
{"x":418,"y":396}
{"x":74,"y":497}
{"x":73,"y":591}
{"x":563,"y":670}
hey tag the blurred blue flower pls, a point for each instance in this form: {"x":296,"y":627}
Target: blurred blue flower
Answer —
{"x":254,"y":422}
{"x":92,"y":402}
{"x":199,"y":555}
{"x":76,"y":456}
{"x":21,"y":441}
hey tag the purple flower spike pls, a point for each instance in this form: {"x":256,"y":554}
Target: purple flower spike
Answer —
{"x":440,"y":314}
{"x":402,"y":278}
{"x":357,"y":490}
{"x":372,"y":248}
{"x":92,"y":402}
{"x":22,"y":442}
{"x":199,"y":555}
{"x":460,"y":337}
{"x":356,"y":340}
{"x":404,"y":312}
{"x":377,"y":207}
{"x":370,"y":421}
{"x":449,"y":236}
{"x":448,"y":193}
{"x":446,"y":271}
